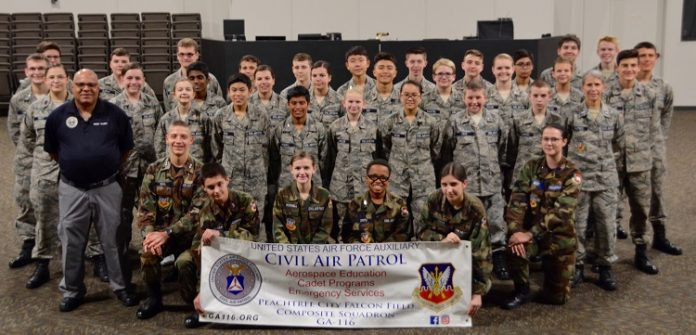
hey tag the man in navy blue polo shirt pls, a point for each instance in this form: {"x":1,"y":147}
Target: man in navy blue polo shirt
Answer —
{"x":89,"y":138}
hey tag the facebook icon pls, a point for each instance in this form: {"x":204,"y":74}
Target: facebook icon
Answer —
{"x":434,"y":320}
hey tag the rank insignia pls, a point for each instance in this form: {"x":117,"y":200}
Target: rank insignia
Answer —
{"x":290,"y":224}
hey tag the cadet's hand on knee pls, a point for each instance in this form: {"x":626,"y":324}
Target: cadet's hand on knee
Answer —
{"x":208,"y":236}
{"x":451,"y":238}
{"x":518,"y":249}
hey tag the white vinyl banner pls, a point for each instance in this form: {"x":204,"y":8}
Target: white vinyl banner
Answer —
{"x":379,"y":285}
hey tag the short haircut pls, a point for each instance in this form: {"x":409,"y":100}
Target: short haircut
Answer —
{"x":47,"y":45}
{"x":384,"y":56}
{"x":238,"y":78}
{"x":120,"y":52}
{"x":416,"y":51}
{"x":200,"y":67}
{"x":411,"y":82}
{"x":560,"y":60}
{"x":182,"y":80}
{"x":444,"y":62}
{"x":249,"y":58}
{"x":503,"y":56}
{"x":557,"y":127}
{"x":357,"y":50}
{"x":624,"y":54}
{"x":132,"y":66}
{"x":264,"y":67}
{"x":188,"y":42}
{"x":569,"y":38}
{"x":455,"y":170}
{"x":301,"y":155}
{"x":611,"y":39}
{"x":380,"y":162}
{"x":522,"y":53}
{"x":298,"y":91}
{"x":540,"y":83}
{"x":475,"y":85}
{"x":52,"y":66}
{"x":302,"y":57}
{"x":596,"y":74}
{"x":323,"y":64}
{"x":474,"y":52}
{"x":37,"y":57}
{"x":178,"y":123}
{"x":645,"y":45}
{"x":212,"y":170}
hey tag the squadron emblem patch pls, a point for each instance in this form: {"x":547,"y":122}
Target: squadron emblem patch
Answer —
{"x":436,"y":290}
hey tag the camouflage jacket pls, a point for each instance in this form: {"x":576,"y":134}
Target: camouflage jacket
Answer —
{"x":108,"y":88}
{"x":201,"y":130}
{"x":370,"y":84}
{"x":665,"y":100}
{"x":426,"y":85}
{"x":524,"y":140}
{"x":517,"y":102}
{"x":298,"y":221}
{"x":569,"y":107}
{"x":377,"y":109}
{"x":170,"y":81}
{"x":19,"y":105}
{"x":329,"y":110}
{"x":460,"y":85}
{"x":434,"y":105}
{"x":286,"y":141}
{"x":366,"y":222}
{"x":469,"y":223}
{"x":210,"y":105}
{"x":576,"y":81}
{"x":276,"y":110}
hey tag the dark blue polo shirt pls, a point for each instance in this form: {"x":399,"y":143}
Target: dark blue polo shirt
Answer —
{"x":88,"y":151}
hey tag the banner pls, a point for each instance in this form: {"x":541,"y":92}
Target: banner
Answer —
{"x":377,"y":285}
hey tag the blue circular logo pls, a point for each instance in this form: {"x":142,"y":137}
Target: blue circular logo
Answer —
{"x":234,"y":280}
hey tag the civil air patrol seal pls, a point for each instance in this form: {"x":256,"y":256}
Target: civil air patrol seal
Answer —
{"x":437,"y":290}
{"x":71,"y":122}
{"x":234,"y":280}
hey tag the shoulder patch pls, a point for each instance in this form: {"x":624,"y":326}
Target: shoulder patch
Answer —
{"x":577,"y":179}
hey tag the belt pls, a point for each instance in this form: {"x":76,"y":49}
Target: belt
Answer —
{"x":90,"y":186}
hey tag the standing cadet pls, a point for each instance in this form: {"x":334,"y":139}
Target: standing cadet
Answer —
{"x":568,"y":48}
{"x":541,"y":221}
{"x":524,"y":66}
{"x":412,"y":142}
{"x":201,"y":127}
{"x":353,"y":141}
{"x":477,"y":140}
{"x":301,"y":69}
{"x":637,"y":105}
{"x":416,"y":62}
{"x":168,"y":191}
{"x":596,"y":132}
{"x":266,"y":98}
{"x":564,"y":96}
{"x":241,"y":133}
{"x":198,"y":73}
{"x":607,"y":48}
{"x":472,"y":64}
{"x":44,"y":174}
{"x":383,"y":100}
{"x":357,"y":63}
{"x":647,"y":57}
{"x":504,"y":98}
{"x":324,"y":104}
{"x":113,"y":84}
{"x":303,"y":210}
{"x":143,"y":111}
{"x":48,"y":49}
{"x":299,"y":132}
{"x":248,"y":65}
{"x":451,"y":215}
{"x":377,"y":215}
{"x":187,"y":53}
{"x":25,"y":222}
{"x":225,"y":212}
{"x":443,"y":101}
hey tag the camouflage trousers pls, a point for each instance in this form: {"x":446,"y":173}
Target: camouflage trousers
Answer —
{"x":150,"y":267}
{"x":657,"y":199}
{"x":340,"y":209}
{"x":637,"y":186}
{"x":259,"y":191}
{"x":416,"y":205}
{"x":189,"y":275}
{"x":25,"y":223}
{"x":602,"y":206}
{"x":44,"y":200}
{"x":558,"y":271}
{"x":496,"y":224}
{"x":131,"y":190}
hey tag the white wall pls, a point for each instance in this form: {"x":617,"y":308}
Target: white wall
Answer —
{"x":630,"y":20}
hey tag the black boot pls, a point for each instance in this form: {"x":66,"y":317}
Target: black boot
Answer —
{"x":500,"y":265}
{"x":24,"y":257}
{"x":40,"y":276}
{"x":606,"y":279}
{"x":522,"y":296}
{"x":642,"y":262}
{"x":579,"y":275}
{"x":153,"y":304}
{"x":100,"y":270}
{"x":193,"y":321}
{"x":660,"y":241}
{"x":621,"y":233}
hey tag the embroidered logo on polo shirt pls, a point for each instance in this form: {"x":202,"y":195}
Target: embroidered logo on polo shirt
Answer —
{"x":71,"y":122}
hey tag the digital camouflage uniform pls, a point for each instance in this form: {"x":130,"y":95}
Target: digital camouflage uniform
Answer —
{"x":210,"y":105}
{"x":643,"y":138}
{"x":413,"y":150}
{"x":426,"y":85}
{"x":569,"y":107}
{"x":284,"y":92}
{"x":170,"y":81}
{"x":434,"y":105}
{"x":201,"y":130}
{"x":239,"y":219}
{"x":469,"y":223}
{"x":460,"y":85}
{"x":592,"y":146}
{"x":298,"y":221}
{"x":517,"y":102}
{"x":366,"y":222}
{"x":276,"y":110}
{"x":241,"y":146}
{"x":377,"y":109}
{"x":329,"y":110}
{"x":286,"y":141}
{"x":576,"y":81}
{"x":543,"y":202}
{"x":480,"y":149}
{"x":370,"y":84}
{"x":108,"y":88}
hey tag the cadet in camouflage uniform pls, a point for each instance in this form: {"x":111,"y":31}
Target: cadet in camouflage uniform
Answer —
{"x":324,"y":102}
{"x":143,"y":111}
{"x":303,"y":210}
{"x":265,"y":98}
{"x":504,"y":98}
{"x":25,"y":222}
{"x":300,"y":132}
{"x":416,"y":60}
{"x":241,"y":135}
{"x":607,"y":48}
{"x":452,"y":215}
{"x":353,"y":141}
{"x":51,"y":51}
{"x":383,"y":100}
{"x":207,"y":103}
{"x":568,"y":48}
{"x":225,"y":212}
{"x":110,"y":86}
{"x":524,"y":66}
{"x":647,"y":57}
{"x":200,"y":123}
{"x":564,"y":97}
{"x":187,"y":52}
{"x":170,"y":187}
{"x":595,"y":133}
{"x":301,"y":69}
{"x":541,"y":221}
{"x":476,"y":139}
{"x":638,"y":107}
{"x":412,"y":142}
{"x":472,"y":64}
{"x":443,"y":101}
{"x":377,"y":215}
{"x":357,"y":63}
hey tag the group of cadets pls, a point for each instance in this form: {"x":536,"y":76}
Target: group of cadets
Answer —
{"x":368,"y":134}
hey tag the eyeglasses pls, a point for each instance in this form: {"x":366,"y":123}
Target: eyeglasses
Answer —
{"x":374,"y":178}
{"x":444,"y":74}
{"x":551,"y":139}
{"x":410,"y":95}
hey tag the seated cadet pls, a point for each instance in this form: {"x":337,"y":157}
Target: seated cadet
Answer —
{"x":301,"y":68}
{"x":166,"y":195}
{"x":377,"y":215}
{"x":113,"y":84}
{"x":524,"y":66}
{"x":225,"y":212}
{"x":451,"y":215}
{"x":197,"y":73}
{"x":443,"y":101}
{"x":303,"y":211}
{"x":416,"y":61}
{"x":187,"y":53}
{"x":324,"y":102}
{"x":472,"y":64}
{"x":541,"y":221}
{"x":569,"y":49}
{"x":266,"y":98}
{"x":383,"y":100}
{"x":357,"y":63}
